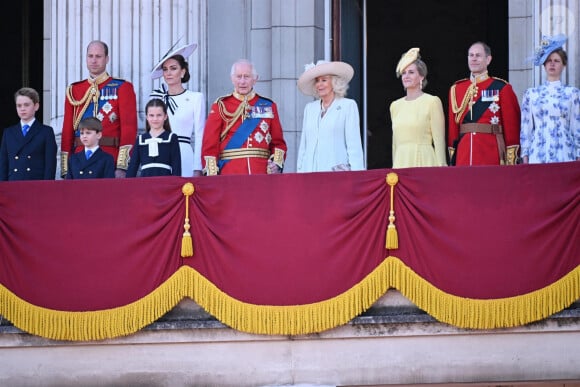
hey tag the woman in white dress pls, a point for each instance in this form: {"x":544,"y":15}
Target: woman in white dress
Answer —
{"x":550,"y":128}
{"x":186,"y":108}
{"x":331,"y":138}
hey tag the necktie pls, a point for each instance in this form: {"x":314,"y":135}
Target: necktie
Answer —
{"x":88,"y":153}
{"x":25,"y":128}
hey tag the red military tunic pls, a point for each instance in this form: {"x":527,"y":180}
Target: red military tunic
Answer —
{"x":484,"y":122}
{"x":264,"y":142}
{"x":116,"y":107}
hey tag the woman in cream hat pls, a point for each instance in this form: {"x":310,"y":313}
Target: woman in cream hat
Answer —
{"x":418,"y":118}
{"x":186,"y":108}
{"x":331,"y":139}
{"x":550,"y":127}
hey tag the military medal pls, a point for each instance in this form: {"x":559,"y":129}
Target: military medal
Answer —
{"x":107,"y":108}
{"x":490,"y":95}
{"x":113,"y":117}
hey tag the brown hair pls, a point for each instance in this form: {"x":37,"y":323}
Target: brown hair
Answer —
{"x":156,"y":102}
{"x":91,"y":123}
{"x":183,"y":65}
{"x":28,"y":92}
{"x":560,"y":51}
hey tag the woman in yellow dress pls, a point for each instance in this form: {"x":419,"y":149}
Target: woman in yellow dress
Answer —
{"x":418,"y":118}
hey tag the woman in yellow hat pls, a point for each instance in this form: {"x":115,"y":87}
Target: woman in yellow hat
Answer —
{"x":418,"y":118}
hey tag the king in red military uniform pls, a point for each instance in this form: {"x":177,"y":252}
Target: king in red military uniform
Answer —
{"x":484,"y":116}
{"x":243,"y":134}
{"x":111,"y":100}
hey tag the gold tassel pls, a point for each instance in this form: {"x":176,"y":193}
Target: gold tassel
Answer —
{"x":186,"y":242}
{"x":392,"y":241}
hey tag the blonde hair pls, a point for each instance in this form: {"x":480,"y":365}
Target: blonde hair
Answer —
{"x":339,"y":86}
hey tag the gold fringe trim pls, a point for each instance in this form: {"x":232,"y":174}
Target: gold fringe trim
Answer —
{"x":93,"y":325}
{"x":295,"y":319}
{"x":484,"y":313}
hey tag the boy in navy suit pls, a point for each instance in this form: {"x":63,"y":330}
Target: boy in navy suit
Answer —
{"x":28,"y":150}
{"x":92,"y":162}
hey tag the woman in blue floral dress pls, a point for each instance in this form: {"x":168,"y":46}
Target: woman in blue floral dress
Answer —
{"x":550,"y":130}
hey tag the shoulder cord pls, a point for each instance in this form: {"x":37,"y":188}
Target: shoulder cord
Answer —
{"x":231,"y":118}
{"x":92,"y":94}
{"x":467,"y":99}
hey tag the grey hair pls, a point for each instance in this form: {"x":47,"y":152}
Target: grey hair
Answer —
{"x":339,"y":86}
{"x":244,"y":61}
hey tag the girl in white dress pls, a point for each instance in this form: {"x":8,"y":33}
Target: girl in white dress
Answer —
{"x":186,"y":108}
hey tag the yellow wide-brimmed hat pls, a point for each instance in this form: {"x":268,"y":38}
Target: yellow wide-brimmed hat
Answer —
{"x":184,"y":51}
{"x":322,"y":67}
{"x":406,"y":59}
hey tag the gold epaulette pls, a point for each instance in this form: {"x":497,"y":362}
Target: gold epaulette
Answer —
{"x":461,"y":80}
{"x":222,"y":97}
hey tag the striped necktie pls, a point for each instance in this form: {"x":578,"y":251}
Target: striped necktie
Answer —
{"x":25,"y":128}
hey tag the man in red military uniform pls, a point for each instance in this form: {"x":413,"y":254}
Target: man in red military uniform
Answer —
{"x":484,"y":116}
{"x":243,"y":134}
{"x":111,"y":100}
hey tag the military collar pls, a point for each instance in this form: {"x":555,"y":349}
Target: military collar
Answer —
{"x":247,"y":97}
{"x":479,"y":78}
{"x":100,"y":79}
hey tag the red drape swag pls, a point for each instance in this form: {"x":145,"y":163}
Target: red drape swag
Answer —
{"x":290,"y":239}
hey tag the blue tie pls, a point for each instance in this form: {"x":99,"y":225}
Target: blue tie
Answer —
{"x":88,"y":153}
{"x":25,"y":128}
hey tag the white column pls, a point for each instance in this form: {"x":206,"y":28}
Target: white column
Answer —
{"x":138,"y":34}
{"x":552,"y":17}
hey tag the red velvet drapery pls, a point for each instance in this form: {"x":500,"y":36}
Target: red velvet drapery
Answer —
{"x":482,"y":233}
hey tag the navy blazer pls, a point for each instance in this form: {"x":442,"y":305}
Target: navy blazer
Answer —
{"x":99,"y":165}
{"x":30,"y":157}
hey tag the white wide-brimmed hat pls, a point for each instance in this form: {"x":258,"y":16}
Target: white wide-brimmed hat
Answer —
{"x":184,"y":51}
{"x":322,"y":67}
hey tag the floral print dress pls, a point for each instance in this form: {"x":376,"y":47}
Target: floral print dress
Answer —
{"x":550,"y":130}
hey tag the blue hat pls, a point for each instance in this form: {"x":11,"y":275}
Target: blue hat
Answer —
{"x":547,"y":46}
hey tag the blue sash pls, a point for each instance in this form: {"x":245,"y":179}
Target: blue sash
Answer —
{"x":248,"y":126}
{"x":109,"y":91}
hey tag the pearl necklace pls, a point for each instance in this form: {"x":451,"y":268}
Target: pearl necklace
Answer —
{"x":323,"y":108}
